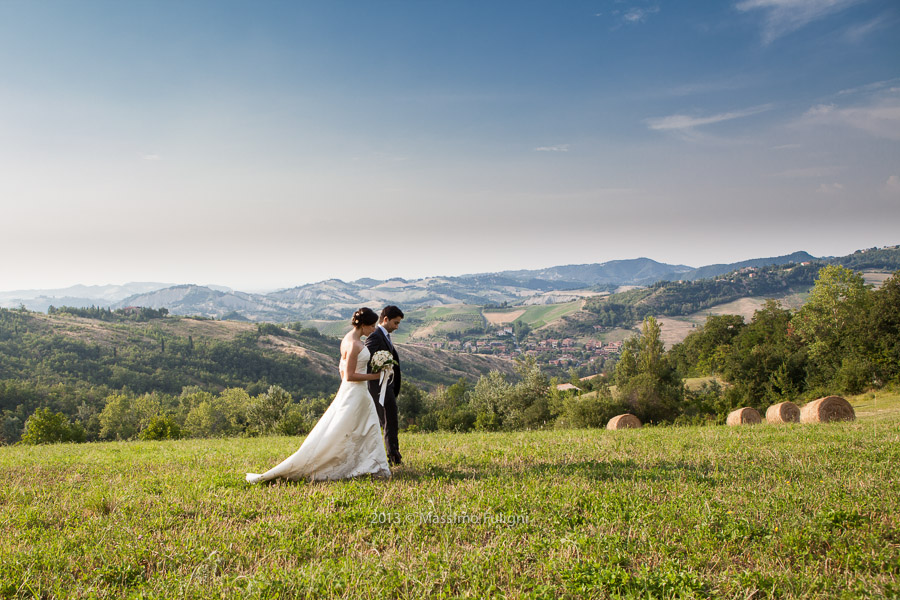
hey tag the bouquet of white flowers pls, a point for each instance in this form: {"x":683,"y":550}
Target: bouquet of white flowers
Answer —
{"x":383,"y":362}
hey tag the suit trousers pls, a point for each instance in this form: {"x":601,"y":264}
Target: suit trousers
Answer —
{"x":388,"y":417}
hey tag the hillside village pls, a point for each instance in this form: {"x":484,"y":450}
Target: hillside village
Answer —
{"x":562,"y":353}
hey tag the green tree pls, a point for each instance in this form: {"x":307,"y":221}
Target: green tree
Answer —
{"x":410,"y":404}
{"x":705,"y":351}
{"x":217,"y":416}
{"x":161,"y":427}
{"x":488,"y":399}
{"x":885,"y":327}
{"x":293,"y":421}
{"x":521,"y":329}
{"x":124,"y":417}
{"x":267,"y":409}
{"x":528,"y":406}
{"x":447,"y":409}
{"x":647,"y":384}
{"x":593,"y":410}
{"x":833,"y":325}
{"x":48,"y":427}
{"x":10,"y":428}
{"x":767,"y":363}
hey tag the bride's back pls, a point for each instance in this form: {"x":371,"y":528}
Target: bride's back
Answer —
{"x":361,"y":360}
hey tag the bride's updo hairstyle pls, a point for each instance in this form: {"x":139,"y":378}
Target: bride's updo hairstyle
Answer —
{"x":364,"y":316}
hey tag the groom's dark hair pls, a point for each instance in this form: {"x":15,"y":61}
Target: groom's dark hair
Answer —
{"x":391,"y":312}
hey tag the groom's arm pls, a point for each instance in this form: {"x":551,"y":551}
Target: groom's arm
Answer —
{"x":374,"y":343}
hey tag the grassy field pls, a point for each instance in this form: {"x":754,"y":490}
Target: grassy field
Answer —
{"x":335,"y":329}
{"x":540,"y":315}
{"x":755,"y":512}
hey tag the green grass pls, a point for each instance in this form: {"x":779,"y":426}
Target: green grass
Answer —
{"x":449,"y":312}
{"x":695,"y":383}
{"x":538,"y":316}
{"x":877,"y":406}
{"x":754,"y":512}
{"x":335,"y":329}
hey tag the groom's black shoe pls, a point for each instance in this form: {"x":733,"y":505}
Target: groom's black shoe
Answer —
{"x":394,"y":461}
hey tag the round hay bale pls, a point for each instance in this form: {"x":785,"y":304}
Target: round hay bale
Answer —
{"x":785,"y":412}
{"x":626,"y":421}
{"x":826,"y":410}
{"x":744,"y":416}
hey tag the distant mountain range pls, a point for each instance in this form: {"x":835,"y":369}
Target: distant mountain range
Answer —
{"x":333,"y":298}
{"x":638,"y":271}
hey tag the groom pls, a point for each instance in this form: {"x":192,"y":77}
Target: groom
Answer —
{"x":381,"y":340}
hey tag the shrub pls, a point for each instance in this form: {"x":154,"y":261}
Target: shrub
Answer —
{"x":294,"y":422}
{"x":47,"y":427}
{"x":161,"y":427}
{"x":649,"y":399}
{"x":267,"y":409}
{"x":588,"y":411}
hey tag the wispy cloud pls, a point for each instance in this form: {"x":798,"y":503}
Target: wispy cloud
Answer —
{"x":559,"y":148}
{"x":880,"y":117}
{"x":856,"y":33}
{"x":831,"y":188}
{"x":786,"y":16}
{"x":708,"y":87}
{"x":639,"y":15}
{"x":632,"y":15}
{"x":870,"y":87}
{"x":818,"y":172}
{"x":687,"y":122}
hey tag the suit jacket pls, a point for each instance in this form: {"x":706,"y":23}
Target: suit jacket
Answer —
{"x":375,"y":342}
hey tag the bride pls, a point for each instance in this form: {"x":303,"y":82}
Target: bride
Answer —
{"x":346,"y":442}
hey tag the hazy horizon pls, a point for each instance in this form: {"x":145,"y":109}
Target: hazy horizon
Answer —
{"x":214,"y":284}
{"x":263,"y":146}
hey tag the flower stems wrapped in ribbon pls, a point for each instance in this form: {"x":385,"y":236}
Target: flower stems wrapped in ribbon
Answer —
{"x":383,"y":362}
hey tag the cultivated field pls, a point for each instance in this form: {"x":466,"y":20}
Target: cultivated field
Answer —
{"x":499,"y":317}
{"x":675,"y":329}
{"x":545,"y":314}
{"x":755,"y":512}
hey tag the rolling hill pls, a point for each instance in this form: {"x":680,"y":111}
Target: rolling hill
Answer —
{"x":89,"y":356}
{"x":335,"y":299}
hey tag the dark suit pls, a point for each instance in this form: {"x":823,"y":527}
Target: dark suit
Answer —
{"x":388,"y":413}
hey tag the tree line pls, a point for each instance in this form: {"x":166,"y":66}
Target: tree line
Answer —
{"x":844,"y":340}
{"x":135,"y":313}
{"x":42,"y":368}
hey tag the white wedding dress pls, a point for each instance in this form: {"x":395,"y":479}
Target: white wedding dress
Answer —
{"x":346,"y":442}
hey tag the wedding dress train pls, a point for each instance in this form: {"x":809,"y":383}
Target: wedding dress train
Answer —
{"x":346,"y":442}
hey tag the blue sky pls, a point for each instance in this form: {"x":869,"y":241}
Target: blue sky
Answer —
{"x":268,"y":144}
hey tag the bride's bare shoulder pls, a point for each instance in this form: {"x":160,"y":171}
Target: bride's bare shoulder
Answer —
{"x":349,"y":343}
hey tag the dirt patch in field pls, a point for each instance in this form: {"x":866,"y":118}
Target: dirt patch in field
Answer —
{"x":217,"y":330}
{"x":499,"y":318}
{"x":673,"y":331}
{"x":453,"y":364}
{"x":318,"y":361}
{"x":424,"y":332}
{"x":746,"y":307}
{"x":875,"y":278}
